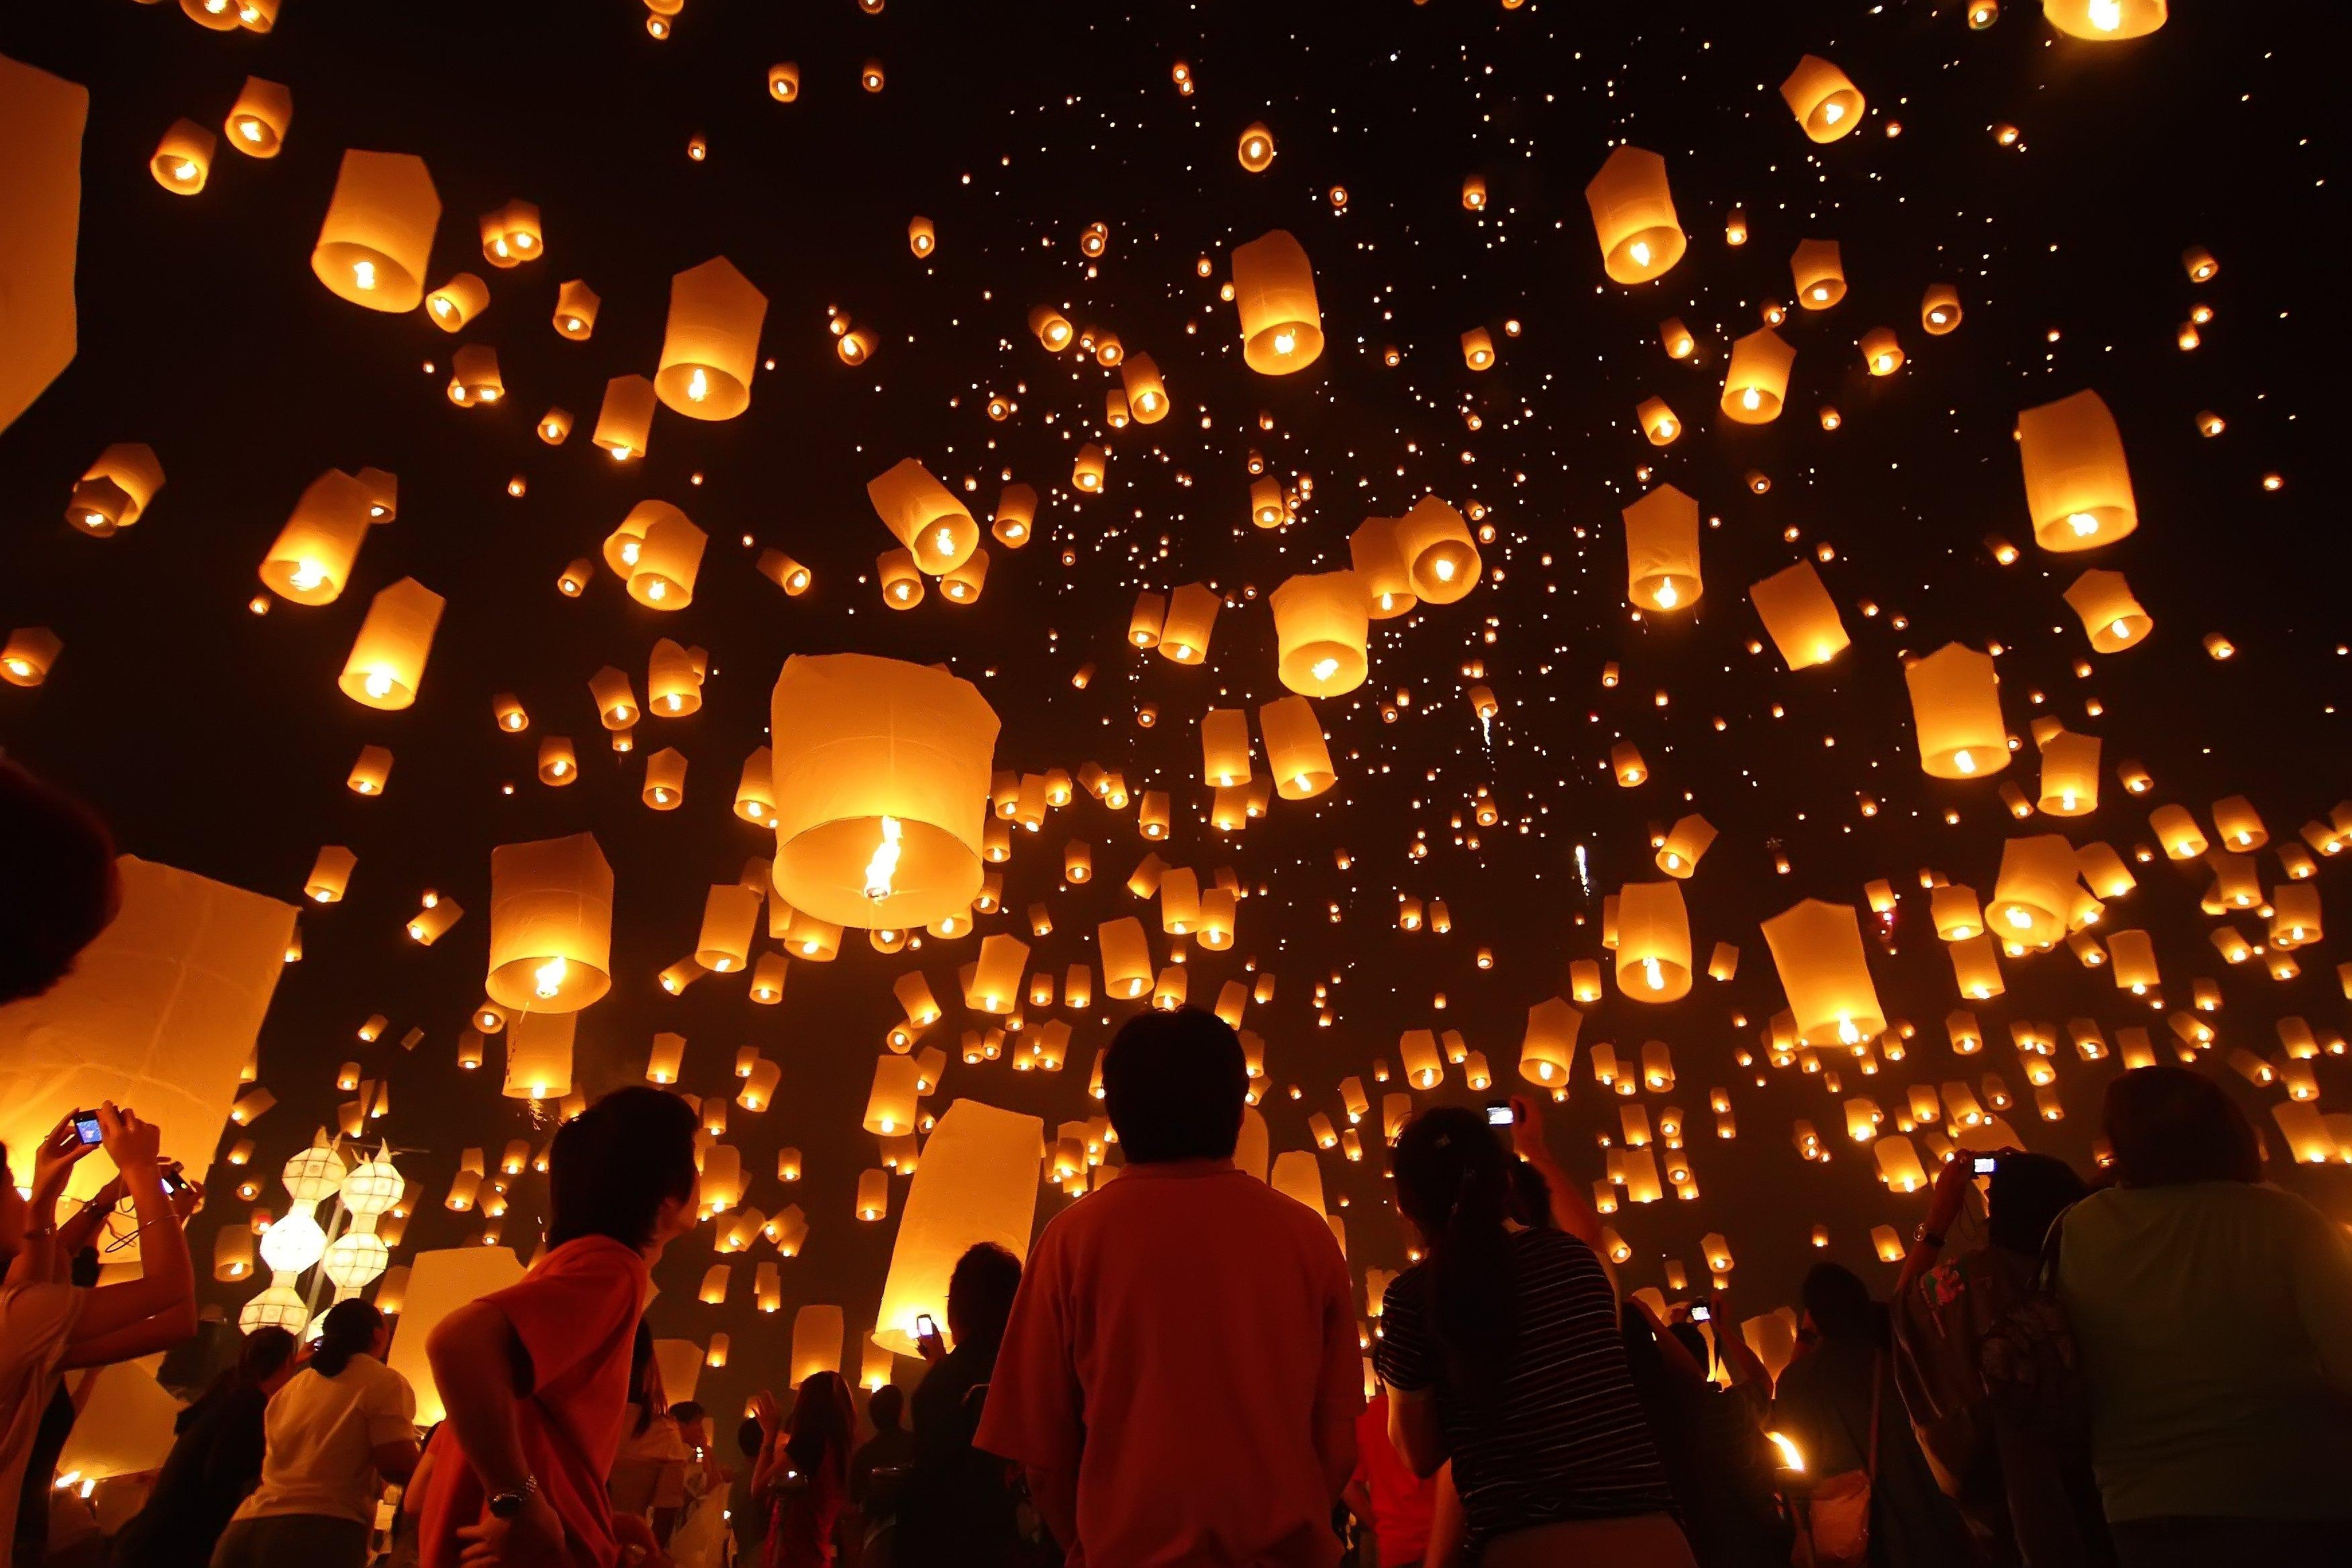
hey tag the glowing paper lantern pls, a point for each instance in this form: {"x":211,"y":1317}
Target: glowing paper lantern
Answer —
{"x":625,"y":419}
{"x":1147,"y":396}
{"x":881,"y":773}
{"x":1321,"y":625}
{"x":2106,"y":21}
{"x":1662,"y":567}
{"x":2070,"y":774}
{"x":1441,"y":559}
{"x":115,"y":492}
{"x":2111,"y":618}
{"x":1825,"y":103}
{"x":551,"y":924}
{"x":30,"y":653}
{"x":387,"y":657}
{"x":257,"y":120}
{"x":711,"y":345}
{"x":1799,"y":616}
{"x":1818,"y":268}
{"x":1956,"y":711}
{"x":1654,"y":942}
{"x":41,"y":119}
{"x":1816,"y":948}
{"x":183,"y":158}
{"x":377,"y":238}
{"x":1939,"y":309}
{"x":1192,"y":619}
{"x":1686,"y":842}
{"x":1295,"y":752}
{"x":458,"y":302}
{"x":1657,"y":421}
{"x":924,"y":516}
{"x":2077,"y":483}
{"x":977,"y":1184}
{"x":2036,"y":888}
{"x":1756,"y":381}
{"x":438,"y":1284}
{"x":1274,"y":293}
{"x":1375,"y":551}
{"x":311,"y":558}
{"x":576,"y":305}
{"x":1634,"y":217}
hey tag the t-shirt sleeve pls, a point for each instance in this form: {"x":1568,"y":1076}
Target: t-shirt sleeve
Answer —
{"x":1402,"y":1360}
{"x":1339,"y":1389}
{"x":390,"y":1406}
{"x":1036,"y":1410}
{"x":566,"y":1317}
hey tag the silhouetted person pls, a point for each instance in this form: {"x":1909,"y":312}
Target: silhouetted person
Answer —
{"x":891,"y":1447}
{"x":2212,"y":1315}
{"x":1500,"y":1352}
{"x":57,"y":862}
{"x":804,"y":1468}
{"x":215,"y":1461}
{"x":1180,"y":1376}
{"x":957,"y":1506}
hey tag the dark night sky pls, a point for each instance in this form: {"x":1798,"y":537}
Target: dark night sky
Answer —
{"x":215,"y":739}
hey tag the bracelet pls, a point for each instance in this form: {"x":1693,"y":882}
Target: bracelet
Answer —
{"x":1923,"y":1236}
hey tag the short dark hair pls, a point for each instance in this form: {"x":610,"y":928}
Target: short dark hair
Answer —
{"x":1174,"y":1084}
{"x":885,"y":1405}
{"x":2169,"y":1125}
{"x":1839,"y":1302}
{"x":266,"y":1351}
{"x":686,"y":1410}
{"x":751,"y":1436}
{"x":980,"y":1297}
{"x":2027,"y":1195}
{"x":348,"y":1329}
{"x":611,"y":1167}
{"x":57,"y":860}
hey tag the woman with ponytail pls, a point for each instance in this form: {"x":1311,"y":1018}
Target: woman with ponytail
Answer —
{"x":342,"y":1426}
{"x":1500,"y":1352}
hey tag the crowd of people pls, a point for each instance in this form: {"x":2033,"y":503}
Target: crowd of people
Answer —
{"x":2148,"y":1370}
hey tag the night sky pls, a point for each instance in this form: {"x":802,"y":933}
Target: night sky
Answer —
{"x":215,"y":739}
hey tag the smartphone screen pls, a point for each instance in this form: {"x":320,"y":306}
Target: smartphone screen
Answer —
{"x":1984,"y":1164}
{"x":1499,"y":1114}
{"x":87,"y":1128}
{"x":925,"y":1328}
{"x":1701,"y":1313}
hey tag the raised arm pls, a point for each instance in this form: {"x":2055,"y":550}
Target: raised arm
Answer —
{"x":157,"y":1310}
{"x":1572,"y":1211}
{"x":1943,"y":1212}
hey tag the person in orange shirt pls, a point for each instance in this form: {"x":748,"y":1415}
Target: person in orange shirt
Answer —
{"x":1180,"y":1379}
{"x":1393,"y":1502}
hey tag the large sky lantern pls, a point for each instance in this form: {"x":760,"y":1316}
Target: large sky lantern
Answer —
{"x":376,"y":241}
{"x":1225,"y":746}
{"x":1634,"y":217}
{"x":1825,"y":102}
{"x":387,"y":659}
{"x":1273,"y":292}
{"x":550,"y":925}
{"x":257,"y":120}
{"x":312,"y":559}
{"x":41,"y":122}
{"x":1322,"y":626}
{"x":977,"y":1183}
{"x":1654,"y":942}
{"x":1817,"y":949}
{"x":1956,"y":713}
{"x":2035,"y":890}
{"x":1662,"y":569}
{"x":710,"y":348}
{"x":2078,"y":485}
{"x":881,"y":776}
{"x":2106,"y":21}
{"x":924,"y":515}
{"x":1756,"y":380}
{"x":659,"y":551}
{"x":1799,"y":615}
{"x":1441,"y":559}
{"x":2070,"y":774}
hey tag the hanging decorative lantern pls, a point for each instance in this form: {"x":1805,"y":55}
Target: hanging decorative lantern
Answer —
{"x":1956,"y":712}
{"x":183,"y":158}
{"x":1441,"y":559}
{"x":1816,"y":948}
{"x":2111,"y":618}
{"x":1818,"y":267}
{"x":1799,"y":616}
{"x":1274,"y":293}
{"x":1755,"y":381}
{"x":624,"y":420}
{"x":2078,"y":484}
{"x":1634,"y":217}
{"x":1322,"y":626}
{"x":1662,"y":567}
{"x":1825,"y":103}
{"x":1295,"y":752}
{"x":377,"y":238}
{"x":712,"y":343}
{"x":925,"y":516}
{"x":387,"y":657}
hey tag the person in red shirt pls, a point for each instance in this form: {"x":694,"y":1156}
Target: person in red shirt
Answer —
{"x":535,"y":1376}
{"x":1385,"y":1494}
{"x":1180,"y":1378}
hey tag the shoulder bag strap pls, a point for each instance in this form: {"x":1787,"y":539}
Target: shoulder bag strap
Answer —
{"x":1877,"y":1386}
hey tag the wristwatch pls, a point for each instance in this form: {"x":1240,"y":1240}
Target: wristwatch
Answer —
{"x":1923,"y":1236}
{"x":506,"y":1505}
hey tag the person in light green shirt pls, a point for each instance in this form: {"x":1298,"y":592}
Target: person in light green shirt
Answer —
{"x":2213,"y":1317}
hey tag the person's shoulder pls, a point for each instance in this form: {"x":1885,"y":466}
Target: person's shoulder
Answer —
{"x":2290,"y":1212}
{"x":1556,"y":1250}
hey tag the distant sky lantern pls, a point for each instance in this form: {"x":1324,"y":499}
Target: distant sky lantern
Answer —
{"x":1657,"y":421}
{"x":387,"y":657}
{"x":668,"y":557}
{"x":538,"y":1055}
{"x":1321,"y":624}
{"x":924,"y":515}
{"x":2077,"y":483}
{"x":961,"y":584}
{"x":183,"y":158}
{"x":1757,"y":380}
{"x":555,"y":427}
{"x":2198,"y":263}
{"x":1818,"y":268}
{"x":1634,"y":217}
{"x":994,"y":984}
{"x":2106,"y":21}
{"x":474,"y":378}
{"x":1939,"y":309}
{"x":30,"y":653}
{"x":1686,"y":841}
{"x":2177,"y":832}
{"x":1825,"y":103}
{"x":616,"y":700}
{"x":1256,"y":148}
{"x":784,"y":81}
{"x":1274,"y":293}
{"x":1549,"y":1048}
{"x":1191,"y":621}
{"x":890,"y":1103}
{"x":1474,"y":193}
{"x":1296,"y":753}
{"x":665,"y":783}
{"x":576,"y":305}
{"x":1816,"y":948}
{"x":711,"y":346}
{"x":458,"y":302}
{"x":1016,"y":516}
{"x":1125,"y":954}
{"x":2111,"y":618}
{"x":1376,"y":550}
{"x":870,"y":76}
{"x":1086,"y":469}
{"x":558,"y":764}
{"x":730,"y":912}
{"x":1441,"y":559}
{"x":377,"y":238}
{"x":2035,"y":889}
{"x":1661,"y":565}
{"x":115,"y":490}
{"x":1799,"y":615}
{"x":257,"y":120}
{"x":2238,"y":824}
{"x":1676,"y":338}
{"x":1881,"y":354}
{"x":551,"y":924}
{"x":624,"y":420}
{"x":1147,"y":396}
{"x":311,"y":558}
{"x":2070,"y":774}
{"x":1225,"y":746}
{"x":922,"y":235}
{"x":902,"y":579}
{"x":1956,"y":713}
{"x":1478,"y":349}
{"x":785,"y":571}
{"x":881,"y":772}
{"x":1051,"y":328}
{"x":1654,"y":942}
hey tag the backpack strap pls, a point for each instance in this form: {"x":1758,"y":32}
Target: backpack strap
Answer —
{"x":1877,"y":1389}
